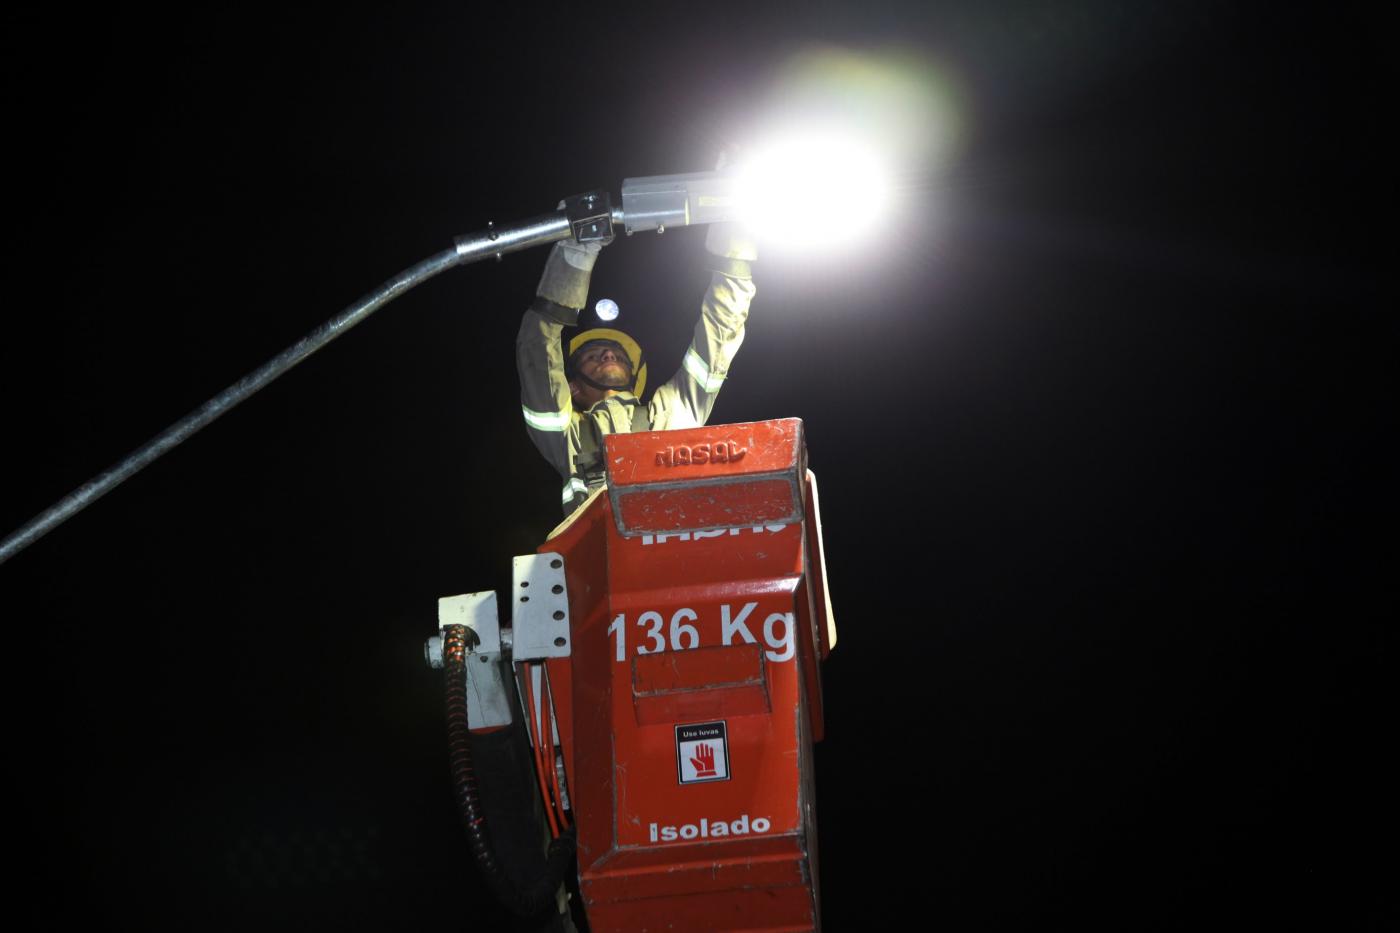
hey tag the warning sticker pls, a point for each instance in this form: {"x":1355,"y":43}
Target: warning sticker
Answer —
{"x":702,"y":752}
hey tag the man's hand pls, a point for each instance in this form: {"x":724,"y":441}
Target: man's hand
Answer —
{"x":567,"y":271}
{"x":582,"y":256}
{"x":730,"y":240}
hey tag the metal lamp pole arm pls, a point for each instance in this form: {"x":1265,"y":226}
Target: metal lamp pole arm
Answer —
{"x":494,"y":241}
{"x":648,"y":203}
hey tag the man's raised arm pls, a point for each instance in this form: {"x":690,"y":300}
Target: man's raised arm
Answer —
{"x":687,"y":399}
{"x":539,"y":357}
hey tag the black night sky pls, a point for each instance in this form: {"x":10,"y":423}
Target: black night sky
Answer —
{"x":1100,"y":424}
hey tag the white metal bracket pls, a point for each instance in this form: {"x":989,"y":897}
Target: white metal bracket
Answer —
{"x":540,"y":608}
{"x":488,"y":701}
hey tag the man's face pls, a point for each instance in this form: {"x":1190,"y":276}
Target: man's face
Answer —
{"x":606,"y":364}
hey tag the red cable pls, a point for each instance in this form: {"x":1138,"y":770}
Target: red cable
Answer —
{"x":539,"y":766}
{"x":548,"y":698}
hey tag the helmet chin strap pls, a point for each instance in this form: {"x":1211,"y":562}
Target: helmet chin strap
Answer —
{"x":631,"y":383}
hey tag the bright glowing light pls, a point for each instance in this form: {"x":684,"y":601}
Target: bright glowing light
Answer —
{"x":606,"y":309}
{"x":813,"y":189}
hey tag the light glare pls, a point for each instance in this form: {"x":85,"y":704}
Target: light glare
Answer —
{"x":813,"y":190}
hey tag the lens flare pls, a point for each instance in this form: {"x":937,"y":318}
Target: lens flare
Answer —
{"x":606,"y":309}
{"x":812,"y":189}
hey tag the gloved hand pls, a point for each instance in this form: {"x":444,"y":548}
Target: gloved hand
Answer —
{"x":567,"y":271}
{"x":730,"y":240}
{"x":581,"y":256}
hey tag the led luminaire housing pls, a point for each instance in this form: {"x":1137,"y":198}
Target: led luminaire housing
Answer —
{"x":804,"y":190}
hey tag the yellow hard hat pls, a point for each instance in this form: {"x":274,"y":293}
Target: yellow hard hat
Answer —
{"x":629,"y":347}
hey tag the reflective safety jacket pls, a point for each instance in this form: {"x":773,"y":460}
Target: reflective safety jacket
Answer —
{"x":572,"y":441}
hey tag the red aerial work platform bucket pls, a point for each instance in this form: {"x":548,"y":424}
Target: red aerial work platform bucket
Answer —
{"x":691,"y":694}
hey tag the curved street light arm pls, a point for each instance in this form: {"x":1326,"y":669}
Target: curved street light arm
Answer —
{"x":494,"y":241}
{"x":651,"y":203}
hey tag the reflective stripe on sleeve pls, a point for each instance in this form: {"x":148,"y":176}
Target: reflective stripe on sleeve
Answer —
{"x":572,"y":488}
{"x":700,"y":371}
{"x":546,"y":420}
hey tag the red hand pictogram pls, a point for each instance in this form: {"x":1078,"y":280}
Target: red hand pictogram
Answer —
{"x":704,"y":760}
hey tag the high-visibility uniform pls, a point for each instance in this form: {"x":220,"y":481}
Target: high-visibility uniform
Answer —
{"x":572,"y":441}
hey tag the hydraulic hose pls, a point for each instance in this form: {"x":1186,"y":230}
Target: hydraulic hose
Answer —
{"x":529,"y":899}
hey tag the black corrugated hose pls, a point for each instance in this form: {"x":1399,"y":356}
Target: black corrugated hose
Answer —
{"x":527,"y":900}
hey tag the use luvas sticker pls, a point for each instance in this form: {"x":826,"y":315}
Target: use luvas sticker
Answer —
{"x":702,"y":753}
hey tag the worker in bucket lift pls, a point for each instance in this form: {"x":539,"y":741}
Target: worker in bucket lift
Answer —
{"x":570,"y":402}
